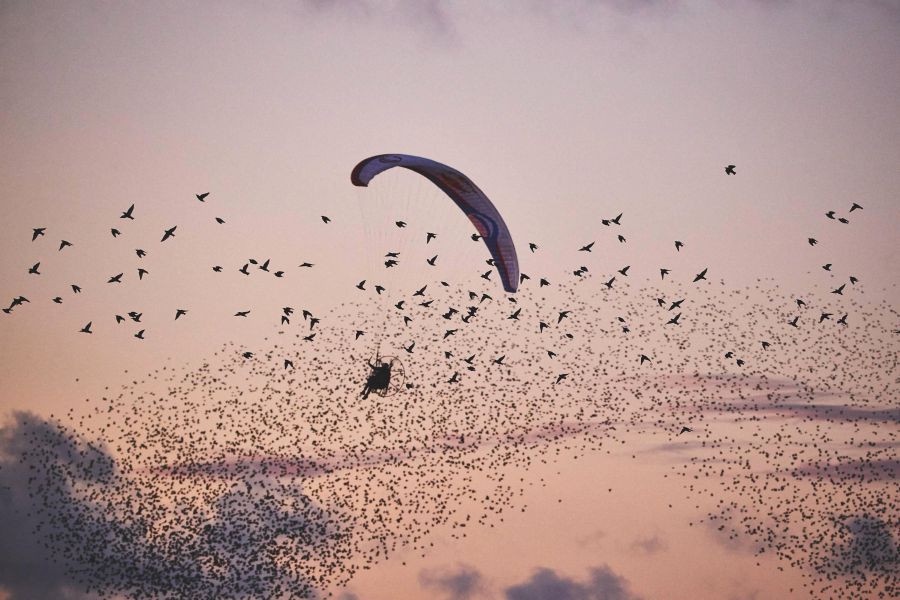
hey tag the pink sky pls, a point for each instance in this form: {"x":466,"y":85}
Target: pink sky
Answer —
{"x":563,"y":115}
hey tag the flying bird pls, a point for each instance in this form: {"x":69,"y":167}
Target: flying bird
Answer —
{"x":34,"y":269}
{"x":169,"y":233}
{"x":429,"y":236}
{"x":63,"y":244}
{"x":586,"y":248}
{"x":242,"y":313}
{"x":532,"y":246}
{"x":36,"y":232}
{"x":128,"y":214}
{"x":202,"y":197}
{"x":115,"y":232}
{"x":87,"y":328}
{"x":855,"y":206}
{"x":326,"y":219}
{"x":701,"y":275}
{"x":678,"y":245}
{"x":116,"y":278}
{"x":179,"y":312}
{"x":729,"y":170}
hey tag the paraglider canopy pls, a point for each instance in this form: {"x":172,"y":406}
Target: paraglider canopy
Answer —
{"x":467,"y":196}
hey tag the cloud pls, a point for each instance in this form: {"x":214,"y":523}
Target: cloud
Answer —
{"x":26,"y":569}
{"x":462,"y":582}
{"x":592,"y":539}
{"x":546,"y":584}
{"x":73,"y":521}
{"x":650,"y":545}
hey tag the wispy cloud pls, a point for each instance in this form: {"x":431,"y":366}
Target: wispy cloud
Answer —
{"x":462,"y":582}
{"x":546,"y":584}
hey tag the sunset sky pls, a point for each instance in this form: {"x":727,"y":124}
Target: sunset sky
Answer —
{"x":564,"y":113}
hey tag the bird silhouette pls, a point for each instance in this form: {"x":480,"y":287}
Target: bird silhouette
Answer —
{"x":202,"y":197}
{"x":169,"y":233}
{"x":87,"y":328}
{"x":700,"y":275}
{"x":34,"y":269}
{"x":729,"y":170}
{"x":586,"y":248}
{"x":63,"y":244}
{"x":37,"y":232}
{"x":128,"y":214}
